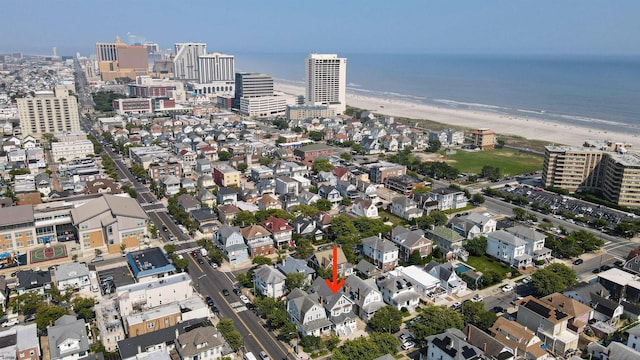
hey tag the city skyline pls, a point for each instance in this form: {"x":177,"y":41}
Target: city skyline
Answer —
{"x":540,"y":27}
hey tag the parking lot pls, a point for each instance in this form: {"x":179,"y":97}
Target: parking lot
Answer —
{"x":583,"y":211}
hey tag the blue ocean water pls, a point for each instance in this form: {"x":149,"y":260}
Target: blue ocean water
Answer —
{"x":596,"y":91}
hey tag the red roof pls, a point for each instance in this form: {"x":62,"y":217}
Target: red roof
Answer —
{"x":339,"y":171}
{"x":275,"y":225}
{"x":633,"y":253}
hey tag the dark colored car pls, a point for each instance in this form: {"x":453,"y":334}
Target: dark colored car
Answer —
{"x":225,"y":292}
{"x":578,"y":261}
{"x":200,"y":261}
{"x":605,"y":267}
{"x":596,"y":270}
{"x":209,"y":301}
{"x":618,"y":263}
{"x":194,"y":253}
{"x":236,"y":291}
{"x":497,"y":309}
{"x":215,"y":310}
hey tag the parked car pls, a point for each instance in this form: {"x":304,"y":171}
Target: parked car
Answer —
{"x":578,"y":261}
{"x":264,"y":356}
{"x":11,"y":322}
{"x":200,"y":261}
{"x":209,"y":301}
{"x":605,"y":267}
{"x":408,"y":345}
{"x":497,"y":309}
{"x":507,"y":288}
{"x":225,"y":292}
{"x":406,"y":337}
{"x":477,"y":298}
{"x":244,"y":299}
{"x":97,"y":259}
{"x":456,"y":305}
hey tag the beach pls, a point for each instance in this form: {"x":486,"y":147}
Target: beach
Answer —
{"x":524,"y":126}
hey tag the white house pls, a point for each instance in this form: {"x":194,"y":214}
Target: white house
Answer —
{"x":382,"y":253}
{"x":306,"y":313}
{"x":448,"y":198}
{"x":405,"y":208}
{"x":232,"y":243}
{"x":364,"y":208}
{"x":330,"y":193}
{"x":365,"y":295}
{"x":447,"y":276}
{"x":339,"y":308}
{"x":534,"y":241}
{"x":473,"y":225}
{"x":269,"y":281}
{"x":398,"y":292}
{"x":424,"y":282}
{"x":72,"y":275}
{"x":508,"y":248}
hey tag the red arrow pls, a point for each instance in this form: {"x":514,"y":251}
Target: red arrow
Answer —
{"x":335,"y":285}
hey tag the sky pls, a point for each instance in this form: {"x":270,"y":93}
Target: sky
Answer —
{"x":608,"y":27}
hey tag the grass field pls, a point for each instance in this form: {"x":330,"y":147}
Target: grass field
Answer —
{"x":482,"y":264}
{"x":392,"y":218}
{"x":510,"y":162}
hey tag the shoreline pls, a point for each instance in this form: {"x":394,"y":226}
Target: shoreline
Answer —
{"x":527,"y":127}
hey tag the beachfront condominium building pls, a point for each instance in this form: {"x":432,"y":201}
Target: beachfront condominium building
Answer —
{"x":119,"y":60}
{"x":49,"y":112}
{"x":326,"y":78}
{"x":185,"y":62}
{"x":614,"y":175}
{"x":303,"y":112}
{"x":216,"y":74}
{"x":484,"y":138}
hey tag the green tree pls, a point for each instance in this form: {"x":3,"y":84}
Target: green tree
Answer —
{"x":295,"y":280}
{"x":224,"y":155}
{"x":28,"y":303}
{"x":346,"y":156}
{"x":170,"y":249}
{"x":490,"y":172}
{"x":435,"y":320}
{"x":439,"y":218}
{"x":415,"y":258}
{"x":244,"y":218}
{"x":315,"y":135}
{"x":421,"y":189}
{"x":323,"y":205}
{"x":262,"y":260}
{"x":343,"y":230}
{"x":242,"y":167}
{"x":303,"y":248}
{"x":304,"y":210}
{"x":586,"y":241}
{"x":433,"y":145}
{"x":180,"y":263}
{"x":554,"y":278}
{"x":519,"y":213}
{"x":367,"y":348}
{"x":280,"y":140}
{"x":476,"y":246}
{"x":264,"y":161}
{"x":48,"y":314}
{"x":280,"y":124}
{"x":321,"y":164}
{"x":345,"y":201}
{"x":84,"y":307}
{"x":475,"y":314}
{"x":477,"y":199}
{"x":225,"y":326}
{"x":387,"y":319}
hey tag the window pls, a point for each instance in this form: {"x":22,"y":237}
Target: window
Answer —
{"x":151,"y":325}
{"x":85,"y":236}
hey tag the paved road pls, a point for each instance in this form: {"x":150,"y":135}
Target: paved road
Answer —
{"x":210,"y":282}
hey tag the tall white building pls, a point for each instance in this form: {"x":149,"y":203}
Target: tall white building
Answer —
{"x":49,"y":112}
{"x":216,"y":74}
{"x":326,"y":77}
{"x":185,"y":62}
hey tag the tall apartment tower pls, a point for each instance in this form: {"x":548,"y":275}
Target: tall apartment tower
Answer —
{"x":186,"y":60}
{"x":216,"y":74}
{"x":326,"y":77}
{"x":118,"y":59}
{"x":49,"y":112}
{"x":249,"y":85}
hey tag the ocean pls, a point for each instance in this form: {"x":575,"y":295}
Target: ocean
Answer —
{"x":600,"y":92}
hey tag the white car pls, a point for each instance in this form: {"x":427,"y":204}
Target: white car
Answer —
{"x":507,"y":288}
{"x":244,"y":299}
{"x":526,"y":280}
{"x":477,"y":298}
{"x":408,"y":345}
{"x":11,"y":323}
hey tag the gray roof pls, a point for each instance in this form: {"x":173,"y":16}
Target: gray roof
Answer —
{"x":480,"y":339}
{"x":406,"y":237}
{"x":303,"y":300}
{"x":506,"y":238}
{"x":452,"y":343}
{"x":27,"y":336}
{"x":188,"y":201}
{"x":226,"y":230}
{"x":291,"y":265}
{"x":197,"y":341}
{"x":524,"y":232}
{"x":70,"y":270}
{"x":67,"y":327}
{"x":129,"y":347}
{"x":478,"y":218}
{"x":269,"y":275}
{"x":585,"y":290}
{"x":358,"y":289}
{"x":383,"y":245}
{"x":116,"y":205}
{"x":16,"y":215}
{"x":29,"y":279}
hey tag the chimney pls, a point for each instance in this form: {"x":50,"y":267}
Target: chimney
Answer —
{"x":484,"y":347}
{"x":468,"y":333}
{"x":177,"y":333}
{"x":139,"y":349}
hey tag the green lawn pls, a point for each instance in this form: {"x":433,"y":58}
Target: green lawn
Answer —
{"x":510,"y":162}
{"x":392,"y":218}
{"x":482,"y":264}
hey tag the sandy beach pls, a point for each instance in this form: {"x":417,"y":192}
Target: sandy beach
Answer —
{"x":527,"y":127}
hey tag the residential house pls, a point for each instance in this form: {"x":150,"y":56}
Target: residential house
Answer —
{"x":205,"y":219}
{"x":291,"y":265}
{"x":306,"y":313}
{"x":448,"y":198}
{"x":605,"y":310}
{"x":201,"y":343}
{"x":398,"y":292}
{"x":206,"y":198}
{"x":308,"y":153}
{"x":473,"y":225}
{"x":579,"y":314}
{"x":339,"y":307}
{"x":367,"y":270}
{"x":584,"y":291}
{"x":102,"y":186}
{"x":227,"y":196}
{"x":405,"y":208}
{"x":308,"y":198}
{"x":409,"y":241}
{"x":382,"y":253}
{"x":258,"y":239}
{"x":188,"y":203}
{"x":268,"y":202}
{"x":364,"y":294}
{"x":324,"y":259}
{"x":450,"y":345}
{"x":508,"y":248}
{"x":330,"y":193}
{"x":170,"y":184}
{"x":520,"y":339}
{"x":634,"y":337}
{"x":307,"y":228}
{"x":286,"y":185}
{"x":364,"y":208}
{"x":424,"y":283}
{"x":348,"y":190}
{"x":404,"y":184}
{"x":551,"y":324}
{"x":68,"y":339}
{"x":447,"y":276}
{"x":446,"y":239}
{"x":225,"y":175}
{"x":281,"y":231}
{"x":492,"y":347}
{"x":534,"y":241}
{"x":232,"y":244}
{"x":33,"y":281}
{"x":20,"y":342}
{"x":269,"y":281}
{"x":188,"y":184}
{"x":614,"y":351}
{"x":72,"y":275}
{"x":621,"y":284}
{"x":227,"y":213}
